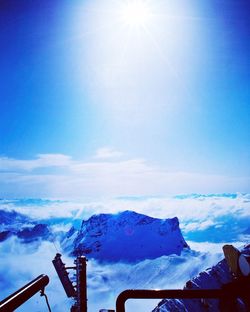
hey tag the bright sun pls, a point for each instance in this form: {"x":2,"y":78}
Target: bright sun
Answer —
{"x":135,"y":13}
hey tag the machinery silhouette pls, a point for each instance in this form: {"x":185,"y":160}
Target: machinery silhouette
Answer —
{"x":238,"y":288}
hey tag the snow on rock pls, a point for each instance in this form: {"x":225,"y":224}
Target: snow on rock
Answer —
{"x":14,"y":223}
{"x":212,"y":278}
{"x":39,"y":231}
{"x":12,"y":220}
{"x":126,"y":236}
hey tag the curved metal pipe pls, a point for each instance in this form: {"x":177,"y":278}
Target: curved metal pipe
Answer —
{"x":23,"y":294}
{"x":161,"y":294}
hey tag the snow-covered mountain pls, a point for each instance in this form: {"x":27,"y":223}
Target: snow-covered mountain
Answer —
{"x":215,"y":218}
{"x":211,"y":278}
{"x":12,"y":220}
{"x":13,"y":223}
{"x":126,"y":236}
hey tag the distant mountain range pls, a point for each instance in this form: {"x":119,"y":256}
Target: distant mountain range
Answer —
{"x":13,"y":223}
{"x":227,"y":216}
{"x":126,"y":236}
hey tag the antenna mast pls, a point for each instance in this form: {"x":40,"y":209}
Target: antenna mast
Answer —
{"x":79,"y":291}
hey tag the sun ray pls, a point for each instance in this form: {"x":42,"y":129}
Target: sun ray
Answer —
{"x":164,"y":59}
{"x":135,"y":13}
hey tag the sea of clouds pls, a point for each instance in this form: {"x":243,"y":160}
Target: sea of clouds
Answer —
{"x":20,"y":263}
{"x":106,"y":173}
{"x":214,"y":217}
{"x":200,"y":216}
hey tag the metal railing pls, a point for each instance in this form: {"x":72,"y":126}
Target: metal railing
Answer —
{"x":23,"y":294}
{"x":165,"y":294}
{"x":227,"y":294}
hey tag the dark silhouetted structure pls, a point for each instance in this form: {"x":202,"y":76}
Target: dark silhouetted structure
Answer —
{"x":79,"y":291}
{"x":23,"y":294}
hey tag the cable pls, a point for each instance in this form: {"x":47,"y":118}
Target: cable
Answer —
{"x":53,"y":239}
{"x":42,"y":294}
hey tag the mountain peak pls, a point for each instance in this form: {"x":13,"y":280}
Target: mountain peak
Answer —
{"x":126,"y":236}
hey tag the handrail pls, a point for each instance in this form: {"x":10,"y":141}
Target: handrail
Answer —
{"x":23,"y":294}
{"x":166,"y":293}
{"x":240,"y":288}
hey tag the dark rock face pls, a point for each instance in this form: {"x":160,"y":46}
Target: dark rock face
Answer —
{"x":12,"y":217}
{"x":4,"y":235}
{"x":39,"y":231}
{"x":21,"y":226}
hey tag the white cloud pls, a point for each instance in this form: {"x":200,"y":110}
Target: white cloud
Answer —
{"x":107,"y":152}
{"x":200,"y":225}
{"x":42,"y":161}
{"x":105,"y":281}
{"x":63,"y":177}
{"x":21,"y":263}
{"x":226,"y":216}
{"x":50,"y":209}
{"x":211,"y":247}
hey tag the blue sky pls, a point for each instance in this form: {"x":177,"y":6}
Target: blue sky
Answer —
{"x":83,"y":91}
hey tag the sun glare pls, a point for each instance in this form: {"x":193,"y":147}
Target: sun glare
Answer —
{"x":135,"y":13}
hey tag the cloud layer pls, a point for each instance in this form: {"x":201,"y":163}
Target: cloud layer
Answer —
{"x":105,"y":281}
{"x":107,"y":173}
{"x":213,"y":218}
{"x":196,"y":213}
{"x":199,"y":208}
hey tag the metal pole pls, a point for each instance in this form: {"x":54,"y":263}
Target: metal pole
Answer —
{"x":63,"y":275}
{"x":81,"y":281}
{"x":16,"y":299}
